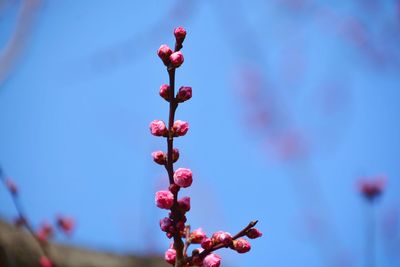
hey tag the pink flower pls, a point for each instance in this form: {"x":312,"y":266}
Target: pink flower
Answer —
{"x":66,"y":224}
{"x":159,"y":157}
{"x":241,"y":245}
{"x":212,"y":260}
{"x":45,"y":262}
{"x":197,"y":236}
{"x":183,"y":177}
{"x":184,"y":204}
{"x":158,"y":128}
{"x":222,"y":237}
{"x":180,"y":128}
{"x":11,"y":186}
{"x":164,"y":52}
{"x":164,"y":91}
{"x":176,"y":59}
{"x":253,"y":233}
{"x":165,"y":224}
{"x":170,"y":256}
{"x":180,"y":34}
{"x":184,"y":93}
{"x":207,"y":243}
{"x":164,"y":199}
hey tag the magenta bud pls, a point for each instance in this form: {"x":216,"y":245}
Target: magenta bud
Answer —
{"x":159,"y":157}
{"x":44,"y":261}
{"x":180,"y":128}
{"x":180,"y":34}
{"x":164,"y":52}
{"x":164,"y":199}
{"x":170,"y":256}
{"x":222,"y":237}
{"x":207,"y":243}
{"x":184,"y":204}
{"x":164,"y":91}
{"x":158,"y":128}
{"x":184,"y":93}
{"x":212,"y":260}
{"x":165,"y":224}
{"x":175,"y":155}
{"x":253,"y":233}
{"x":183,"y":177}
{"x":176,"y":59}
{"x":241,"y":245}
{"x":197,"y":236}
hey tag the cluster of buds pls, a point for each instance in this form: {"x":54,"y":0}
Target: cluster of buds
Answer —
{"x":175,"y":225}
{"x":371,"y":189}
{"x":45,"y":231}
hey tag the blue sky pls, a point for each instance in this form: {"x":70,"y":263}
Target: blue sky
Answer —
{"x":75,"y":109}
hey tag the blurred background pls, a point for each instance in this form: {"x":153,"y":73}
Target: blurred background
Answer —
{"x":295,"y":102}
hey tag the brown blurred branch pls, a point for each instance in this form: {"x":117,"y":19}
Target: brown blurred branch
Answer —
{"x":19,"y":249}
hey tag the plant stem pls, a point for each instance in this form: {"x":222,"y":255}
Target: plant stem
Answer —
{"x":370,"y":235}
{"x":21,"y":215}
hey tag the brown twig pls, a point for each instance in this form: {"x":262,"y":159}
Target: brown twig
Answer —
{"x":23,"y":217}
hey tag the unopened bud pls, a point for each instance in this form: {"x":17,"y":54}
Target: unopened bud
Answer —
{"x":176,"y":59}
{"x":180,"y":128}
{"x":164,"y":91}
{"x":253,"y":233}
{"x":158,"y":128}
{"x":159,"y":157}
{"x":180,"y":34}
{"x":184,"y":204}
{"x":184,"y":93}
{"x":241,"y":245}
{"x":164,"y":52}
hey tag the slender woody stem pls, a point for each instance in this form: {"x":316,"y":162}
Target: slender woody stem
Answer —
{"x":176,"y":214}
{"x":21,"y":215}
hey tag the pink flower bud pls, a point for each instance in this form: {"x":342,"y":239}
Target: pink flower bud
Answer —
{"x":165,"y":224}
{"x":222,"y":237}
{"x":176,"y":59}
{"x":184,"y":93}
{"x":158,"y":128}
{"x":180,"y":34}
{"x":45,"y":262}
{"x":11,"y":186}
{"x":180,"y":128}
{"x":184,"y":204}
{"x":207,"y":243}
{"x":66,"y":224}
{"x":241,"y":245}
{"x":159,"y":157}
{"x":253,"y":233}
{"x":197,"y":236}
{"x":164,"y":199}
{"x":175,"y":155}
{"x":164,"y":52}
{"x":212,"y":260}
{"x":164,"y":91}
{"x":183,"y":177}
{"x":170,"y":256}
{"x":45,"y":232}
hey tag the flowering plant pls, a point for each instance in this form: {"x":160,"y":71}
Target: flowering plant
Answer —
{"x":175,"y":225}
